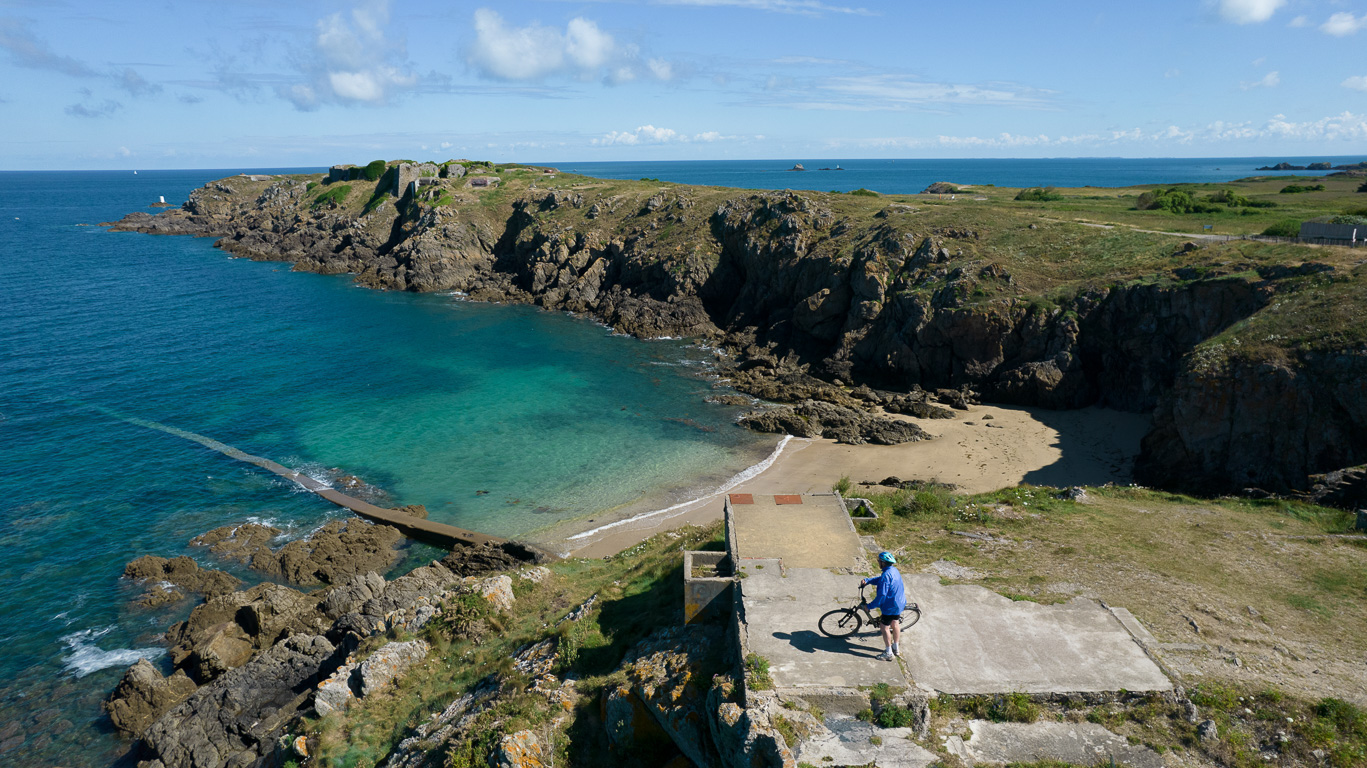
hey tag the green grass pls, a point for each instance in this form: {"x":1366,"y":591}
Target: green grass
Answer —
{"x":757,"y":672}
{"x":336,"y":195}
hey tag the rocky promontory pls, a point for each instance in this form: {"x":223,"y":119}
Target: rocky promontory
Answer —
{"x":1249,"y":356}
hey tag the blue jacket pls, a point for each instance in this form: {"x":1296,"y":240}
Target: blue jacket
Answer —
{"x":892,"y":594}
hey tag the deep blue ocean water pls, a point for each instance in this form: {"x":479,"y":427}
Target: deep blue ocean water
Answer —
{"x":912,"y":176}
{"x":427,"y":398}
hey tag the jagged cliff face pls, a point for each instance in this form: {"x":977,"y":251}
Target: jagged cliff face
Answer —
{"x":891,"y":295}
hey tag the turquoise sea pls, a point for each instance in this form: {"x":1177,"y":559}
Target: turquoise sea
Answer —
{"x":427,"y":398}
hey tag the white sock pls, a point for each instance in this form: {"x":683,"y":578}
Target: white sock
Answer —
{"x":895,"y":648}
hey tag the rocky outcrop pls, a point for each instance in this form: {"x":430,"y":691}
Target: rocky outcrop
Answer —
{"x":847,"y":425}
{"x":144,"y":695}
{"x":336,"y":552}
{"x":242,"y":543}
{"x":226,"y":630}
{"x":802,"y":294}
{"x":168,"y":580}
{"x":1231,"y":423}
{"x":1345,"y":488}
{"x":234,"y":721}
{"x":355,"y":680}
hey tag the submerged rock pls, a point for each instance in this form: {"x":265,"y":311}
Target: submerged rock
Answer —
{"x":170,"y":580}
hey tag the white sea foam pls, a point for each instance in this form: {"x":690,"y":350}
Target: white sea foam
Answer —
{"x":84,"y":656}
{"x":746,"y":474}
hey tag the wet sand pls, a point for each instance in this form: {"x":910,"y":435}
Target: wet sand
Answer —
{"x":985,"y":448}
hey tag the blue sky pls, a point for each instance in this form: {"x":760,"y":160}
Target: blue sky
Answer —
{"x":238,"y":83}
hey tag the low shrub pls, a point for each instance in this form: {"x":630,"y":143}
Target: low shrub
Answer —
{"x":374,"y":170}
{"x":1295,"y":189}
{"x":861,"y":192}
{"x":1284,"y":228}
{"x":1039,"y":194}
{"x":922,"y":502}
{"x":757,"y":667}
{"x":1173,"y":201}
{"x":843,"y":485}
{"x":1363,"y":187}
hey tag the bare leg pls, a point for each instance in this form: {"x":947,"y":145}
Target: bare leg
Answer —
{"x":888,"y":630}
{"x":896,"y":633}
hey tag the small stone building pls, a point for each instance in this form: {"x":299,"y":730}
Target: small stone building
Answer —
{"x":407,"y":173}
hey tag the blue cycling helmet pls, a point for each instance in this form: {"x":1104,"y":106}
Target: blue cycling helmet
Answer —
{"x":887,"y":558}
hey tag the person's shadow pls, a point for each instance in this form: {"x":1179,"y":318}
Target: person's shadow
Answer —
{"x":808,"y":641}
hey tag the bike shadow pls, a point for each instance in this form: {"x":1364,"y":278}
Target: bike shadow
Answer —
{"x":808,"y":641}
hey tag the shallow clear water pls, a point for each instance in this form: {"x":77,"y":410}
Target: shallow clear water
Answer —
{"x":427,"y":398}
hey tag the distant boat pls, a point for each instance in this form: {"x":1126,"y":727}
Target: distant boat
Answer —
{"x":135,"y":173}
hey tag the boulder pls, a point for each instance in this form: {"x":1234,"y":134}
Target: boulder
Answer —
{"x":745,"y":738}
{"x":337,"y":692}
{"x":352,"y":594}
{"x":388,"y":663}
{"x":1345,"y":488}
{"x":223,"y":632}
{"x":476,"y":561}
{"x":496,"y":590}
{"x":143,"y":695}
{"x":521,"y":750}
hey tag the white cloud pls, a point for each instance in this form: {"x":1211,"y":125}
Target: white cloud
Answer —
{"x":1270,"y":80}
{"x":353,"y":61}
{"x":26,"y":50}
{"x":1357,"y":83}
{"x":534,"y":52}
{"x":649,"y":134}
{"x":661,"y":69}
{"x":1249,"y":11}
{"x":895,"y":92}
{"x":804,"y":7}
{"x":1346,"y":127}
{"x":446,"y":145}
{"x":1343,"y":24}
{"x":1299,"y":21}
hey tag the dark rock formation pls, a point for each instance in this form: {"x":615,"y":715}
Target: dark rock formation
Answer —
{"x":233,"y":722}
{"x":1345,"y":488}
{"x":813,"y":418}
{"x":170,"y":580}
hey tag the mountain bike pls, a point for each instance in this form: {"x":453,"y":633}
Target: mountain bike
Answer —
{"x":843,"y":622}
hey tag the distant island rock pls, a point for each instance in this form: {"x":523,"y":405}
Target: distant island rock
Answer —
{"x":1314,"y":167}
{"x":797,"y":167}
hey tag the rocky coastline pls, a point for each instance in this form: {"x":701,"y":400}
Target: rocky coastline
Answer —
{"x":857,"y":311}
{"x":247,"y":662}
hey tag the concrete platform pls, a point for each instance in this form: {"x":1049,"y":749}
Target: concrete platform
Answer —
{"x":1075,"y":743}
{"x":781,"y":613}
{"x":969,"y":640}
{"x":804,"y":531}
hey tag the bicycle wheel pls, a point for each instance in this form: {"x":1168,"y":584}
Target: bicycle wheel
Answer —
{"x":842,"y":622}
{"x":910,"y":616}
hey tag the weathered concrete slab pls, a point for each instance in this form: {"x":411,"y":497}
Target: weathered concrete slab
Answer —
{"x":1075,"y":743}
{"x":969,"y":639}
{"x":816,"y":533}
{"x":781,"y":613}
{"x":848,"y":741}
{"x":972,"y":640}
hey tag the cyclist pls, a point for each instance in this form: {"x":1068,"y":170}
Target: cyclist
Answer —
{"x":890,"y":600}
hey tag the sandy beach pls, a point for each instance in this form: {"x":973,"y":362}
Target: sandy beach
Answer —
{"x":985,"y":448}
